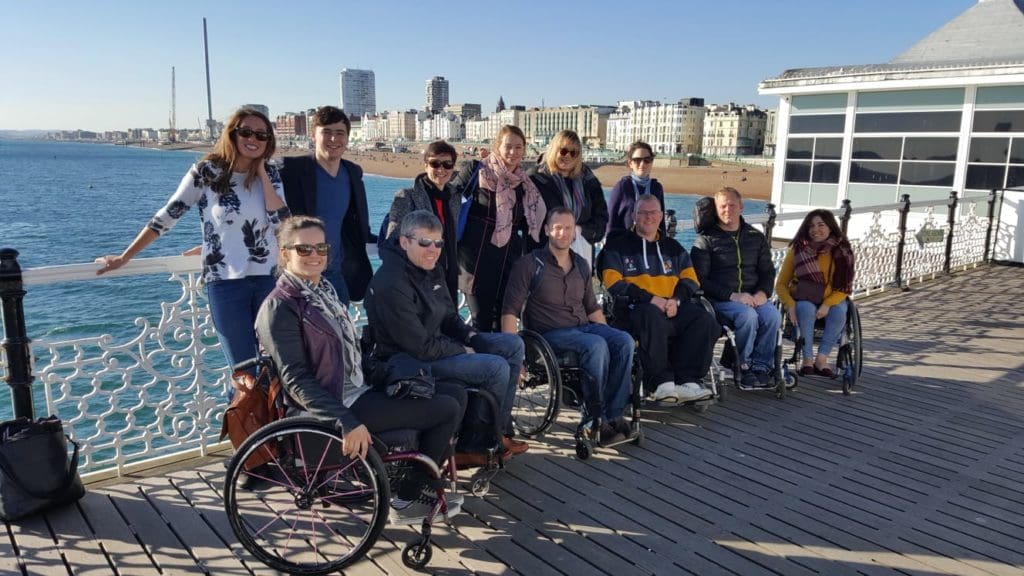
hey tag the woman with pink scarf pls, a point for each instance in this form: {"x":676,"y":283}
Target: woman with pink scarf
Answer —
{"x":505,"y":221}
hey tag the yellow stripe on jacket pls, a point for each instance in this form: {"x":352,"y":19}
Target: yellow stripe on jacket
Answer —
{"x":663,"y":286}
{"x":785,"y":277}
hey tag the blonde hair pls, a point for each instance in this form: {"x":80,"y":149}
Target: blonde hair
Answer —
{"x":729,"y":190}
{"x":562,"y":140}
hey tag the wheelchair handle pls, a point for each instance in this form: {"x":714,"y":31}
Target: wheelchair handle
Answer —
{"x":251,"y":362}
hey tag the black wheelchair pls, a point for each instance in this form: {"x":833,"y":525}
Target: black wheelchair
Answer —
{"x":552,"y":380}
{"x":725,"y":369}
{"x":850,"y":350}
{"x":301,"y":507}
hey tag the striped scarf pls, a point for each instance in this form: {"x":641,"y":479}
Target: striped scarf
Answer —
{"x":805,"y":266}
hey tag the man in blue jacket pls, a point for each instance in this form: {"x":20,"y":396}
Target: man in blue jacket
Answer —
{"x":331,"y":188}
{"x":733,"y":261}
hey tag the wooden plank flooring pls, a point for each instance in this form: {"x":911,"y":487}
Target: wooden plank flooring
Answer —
{"x":919,"y":472}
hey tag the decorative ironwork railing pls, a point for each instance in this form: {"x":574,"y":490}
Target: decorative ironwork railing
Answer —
{"x":159,"y":394}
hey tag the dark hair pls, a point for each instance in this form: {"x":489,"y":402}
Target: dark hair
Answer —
{"x":558,"y":211}
{"x":225,"y":151}
{"x":293,"y":224}
{"x":636,"y":146}
{"x":803,"y":233}
{"x":326,"y":115}
{"x":440,"y":148}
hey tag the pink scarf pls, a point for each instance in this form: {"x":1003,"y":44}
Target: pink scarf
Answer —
{"x":496,"y":177}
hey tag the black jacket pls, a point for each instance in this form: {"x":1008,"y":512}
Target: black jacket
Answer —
{"x":593,"y":218}
{"x":409,"y":310}
{"x":298,"y":176}
{"x":728,"y":262}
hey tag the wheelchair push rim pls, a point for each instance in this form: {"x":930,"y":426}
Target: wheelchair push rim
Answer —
{"x":538,"y":394}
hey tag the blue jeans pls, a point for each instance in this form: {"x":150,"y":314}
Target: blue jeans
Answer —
{"x":233,"y":306}
{"x":338,"y":281}
{"x":756,"y":331}
{"x":606,"y":361}
{"x":511,"y":348}
{"x":835,"y":321}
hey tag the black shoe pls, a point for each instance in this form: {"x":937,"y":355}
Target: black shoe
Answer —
{"x":622,"y":426}
{"x":764,"y":380}
{"x":610,"y":435}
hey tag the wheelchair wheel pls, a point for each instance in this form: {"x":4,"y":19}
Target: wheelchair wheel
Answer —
{"x":309,"y":510}
{"x":856,"y":339}
{"x":538,"y":394}
{"x":416,"y":555}
{"x":583,"y":450}
{"x":847,"y":369}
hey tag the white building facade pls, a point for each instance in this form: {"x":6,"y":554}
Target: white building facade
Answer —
{"x":673,"y":128}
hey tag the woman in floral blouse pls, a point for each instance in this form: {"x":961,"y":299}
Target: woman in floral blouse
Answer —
{"x":241,"y":204}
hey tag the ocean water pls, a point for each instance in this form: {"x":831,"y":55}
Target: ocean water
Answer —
{"x":64,"y":203}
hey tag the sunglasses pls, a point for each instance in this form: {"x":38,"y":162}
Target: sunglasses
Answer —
{"x":446,"y":164}
{"x":322,"y":249}
{"x":246,"y":132}
{"x":568,"y":152}
{"x":426,"y":242}
{"x":642,"y":159}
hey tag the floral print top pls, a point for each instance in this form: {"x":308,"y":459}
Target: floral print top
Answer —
{"x":238,"y":231}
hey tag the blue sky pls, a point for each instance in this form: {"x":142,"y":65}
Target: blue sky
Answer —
{"x":105,"y":65}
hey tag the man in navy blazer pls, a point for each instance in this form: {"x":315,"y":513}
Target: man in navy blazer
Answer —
{"x":330,"y":188}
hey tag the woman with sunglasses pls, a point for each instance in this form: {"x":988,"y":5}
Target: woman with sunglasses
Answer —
{"x":638,"y":182}
{"x":241,"y":204}
{"x":307,"y":331}
{"x":563,"y":180}
{"x":505,"y":221}
{"x":432,"y":191}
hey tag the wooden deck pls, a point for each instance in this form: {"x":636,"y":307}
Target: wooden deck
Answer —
{"x":920,"y":472}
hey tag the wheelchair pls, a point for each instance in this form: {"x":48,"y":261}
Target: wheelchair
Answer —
{"x":301,"y":507}
{"x":552,"y":380}
{"x":850,"y":351}
{"x":783,"y":379}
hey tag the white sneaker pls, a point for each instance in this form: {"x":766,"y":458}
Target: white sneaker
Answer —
{"x":666,"y":392}
{"x":691,"y":392}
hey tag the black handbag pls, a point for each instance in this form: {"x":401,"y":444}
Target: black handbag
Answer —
{"x":407,"y":377}
{"x":36,"y":472}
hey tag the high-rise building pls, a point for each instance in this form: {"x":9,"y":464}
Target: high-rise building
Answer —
{"x":437,"y":94}
{"x":358,"y":92}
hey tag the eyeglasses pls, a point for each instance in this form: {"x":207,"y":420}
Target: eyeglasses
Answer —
{"x":446,"y":164}
{"x":426,"y":242}
{"x":246,"y":132}
{"x":322,"y":249}
{"x":568,"y":152}
{"x":642,"y":159}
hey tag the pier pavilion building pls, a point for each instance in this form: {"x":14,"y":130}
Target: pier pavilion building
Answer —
{"x":946,"y":114}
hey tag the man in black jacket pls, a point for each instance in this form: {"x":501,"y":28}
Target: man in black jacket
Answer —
{"x":410,"y":310}
{"x":326,"y":186}
{"x":733,"y":261}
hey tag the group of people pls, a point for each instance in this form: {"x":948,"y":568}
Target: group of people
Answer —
{"x":284,"y":254}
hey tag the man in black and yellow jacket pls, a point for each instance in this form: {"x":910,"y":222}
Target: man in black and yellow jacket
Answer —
{"x":652,"y":280}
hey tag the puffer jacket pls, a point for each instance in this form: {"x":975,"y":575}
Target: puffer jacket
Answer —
{"x":308,"y":356}
{"x":728,"y":262}
{"x":409,"y":310}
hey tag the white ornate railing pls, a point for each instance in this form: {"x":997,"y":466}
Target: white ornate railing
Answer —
{"x":159,"y":394}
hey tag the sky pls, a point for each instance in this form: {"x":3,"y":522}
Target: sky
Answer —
{"x":105,"y":65}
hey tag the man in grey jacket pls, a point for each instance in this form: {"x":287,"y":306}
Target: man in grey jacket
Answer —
{"x":733,"y":261}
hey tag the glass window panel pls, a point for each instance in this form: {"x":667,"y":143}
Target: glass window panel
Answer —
{"x":828,"y":149}
{"x":794,"y":193}
{"x":988,"y":150}
{"x":999,"y":121}
{"x":1015,"y":177}
{"x":930,"y":149}
{"x":912,"y":99}
{"x":908,"y":122}
{"x":800,"y":148}
{"x":824,"y":195}
{"x":874,"y":172}
{"x":798,"y":172}
{"x":1017,"y":151}
{"x":921,"y":194}
{"x":980,"y":177}
{"x":927,"y":173}
{"x":870,"y":194}
{"x":827,"y":172}
{"x":877,"y":148}
{"x":818,"y":102}
{"x":999,"y":97}
{"x":822,"y":123}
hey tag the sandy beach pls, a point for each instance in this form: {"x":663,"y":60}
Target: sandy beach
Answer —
{"x":752,"y":181}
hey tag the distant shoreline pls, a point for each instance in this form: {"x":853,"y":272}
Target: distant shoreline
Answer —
{"x":754,"y":182}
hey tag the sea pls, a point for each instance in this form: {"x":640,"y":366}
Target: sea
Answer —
{"x":69,"y":203}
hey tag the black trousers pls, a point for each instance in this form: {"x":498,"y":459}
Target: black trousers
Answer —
{"x":673,"y":349}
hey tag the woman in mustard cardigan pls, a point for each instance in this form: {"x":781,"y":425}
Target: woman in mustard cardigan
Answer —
{"x":814,"y":282}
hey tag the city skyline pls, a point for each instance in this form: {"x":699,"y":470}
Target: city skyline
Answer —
{"x":106,"y":66}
